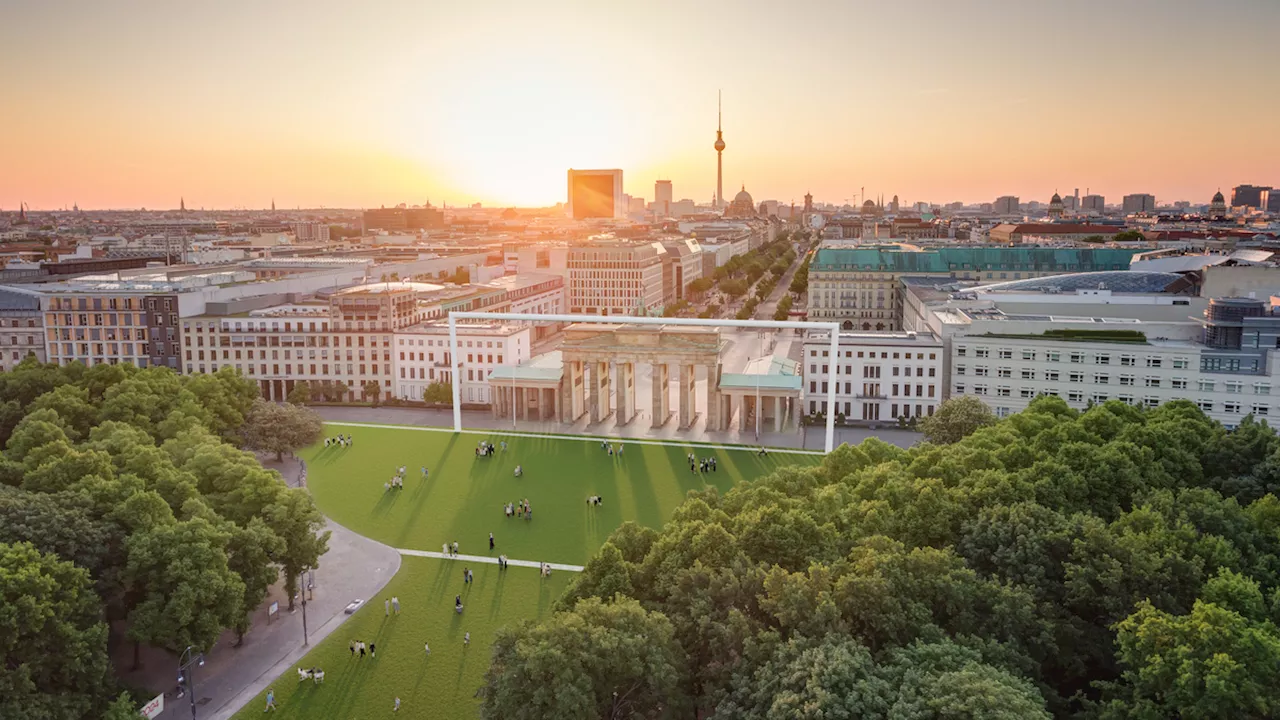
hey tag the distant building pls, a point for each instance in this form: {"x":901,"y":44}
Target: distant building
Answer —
{"x":1248,"y":196}
{"x":1015,"y":233}
{"x":317,"y":232}
{"x":1218,"y":206}
{"x":742,"y":205}
{"x":1006,"y":205}
{"x":662,"y":198}
{"x":878,"y":376}
{"x":1139,"y":203}
{"x":403,"y":219}
{"x":595,"y":194}
{"x":682,"y":264}
{"x":1056,"y":208}
{"x":1093,"y":204}
{"x":1270,"y":200}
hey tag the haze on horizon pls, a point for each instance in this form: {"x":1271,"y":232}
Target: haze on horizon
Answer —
{"x":338,"y":104}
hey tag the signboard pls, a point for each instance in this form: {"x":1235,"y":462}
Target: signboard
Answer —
{"x":274,"y":609}
{"x":153,"y":709}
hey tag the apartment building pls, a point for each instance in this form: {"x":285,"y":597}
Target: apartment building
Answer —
{"x":113,"y":327}
{"x":879,"y":377}
{"x":616,"y":278}
{"x":21,"y":327}
{"x":422,"y":356}
{"x":860,"y":287}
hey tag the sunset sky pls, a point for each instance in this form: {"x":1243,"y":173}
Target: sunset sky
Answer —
{"x":337,"y":103}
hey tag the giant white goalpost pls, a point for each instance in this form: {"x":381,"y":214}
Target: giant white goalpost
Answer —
{"x":833,"y":329}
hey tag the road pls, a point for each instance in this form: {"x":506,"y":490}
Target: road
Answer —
{"x":766,"y":309}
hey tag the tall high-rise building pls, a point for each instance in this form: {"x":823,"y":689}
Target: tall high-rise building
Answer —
{"x":719,"y":157}
{"x":662,"y":198}
{"x":596,"y":194}
{"x":1247,"y":195}
{"x":1006,"y":205}
{"x":1139,"y":202}
{"x":1093,"y":204}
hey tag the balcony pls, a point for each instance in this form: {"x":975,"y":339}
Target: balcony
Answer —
{"x":865,"y":396}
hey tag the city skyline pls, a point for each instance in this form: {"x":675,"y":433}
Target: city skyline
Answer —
{"x":463,"y":104}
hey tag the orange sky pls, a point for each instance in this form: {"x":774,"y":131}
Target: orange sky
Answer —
{"x":136,"y":103}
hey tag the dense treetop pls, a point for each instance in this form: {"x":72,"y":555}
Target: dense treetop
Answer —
{"x":123,"y":497}
{"x":1117,"y":563}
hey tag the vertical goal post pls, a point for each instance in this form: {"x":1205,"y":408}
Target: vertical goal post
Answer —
{"x":832,"y":328}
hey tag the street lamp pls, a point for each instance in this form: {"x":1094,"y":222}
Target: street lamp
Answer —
{"x":302,"y":590}
{"x":187,"y":663}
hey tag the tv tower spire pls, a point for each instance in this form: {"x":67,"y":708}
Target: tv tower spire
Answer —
{"x":719,"y":156}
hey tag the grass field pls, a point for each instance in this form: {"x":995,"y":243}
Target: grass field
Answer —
{"x":442,"y":686}
{"x":463,"y":496}
{"x":462,"y":500}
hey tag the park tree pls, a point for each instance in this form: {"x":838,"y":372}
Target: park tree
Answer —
{"x":439,"y":393}
{"x":53,"y":642}
{"x":783,"y":311}
{"x":956,"y":419}
{"x":187,"y":592}
{"x":296,"y":521}
{"x":598,"y":660}
{"x":1212,"y":663}
{"x":372,"y":391}
{"x":300,"y":394}
{"x":71,"y":403}
{"x":252,"y":553}
{"x":281,"y":427}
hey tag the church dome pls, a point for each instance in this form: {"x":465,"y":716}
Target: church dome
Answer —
{"x":743,"y":197}
{"x":1056,"y":199}
{"x":1217,"y":197}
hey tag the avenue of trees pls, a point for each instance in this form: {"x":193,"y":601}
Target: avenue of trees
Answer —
{"x":1112,"y":563}
{"x":125,"y":500}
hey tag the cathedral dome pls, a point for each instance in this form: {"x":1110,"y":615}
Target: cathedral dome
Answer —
{"x":1217,"y":197}
{"x":743,"y":197}
{"x":1056,"y":199}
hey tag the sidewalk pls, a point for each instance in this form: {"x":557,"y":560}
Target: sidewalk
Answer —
{"x":355,"y":567}
{"x":811,"y":438}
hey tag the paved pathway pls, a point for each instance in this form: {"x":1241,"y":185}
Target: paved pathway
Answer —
{"x":487,"y":560}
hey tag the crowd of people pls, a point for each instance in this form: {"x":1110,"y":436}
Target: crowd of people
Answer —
{"x":520,"y":508}
{"x":340,"y":440}
{"x":696,"y":464}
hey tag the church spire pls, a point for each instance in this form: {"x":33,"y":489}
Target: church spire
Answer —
{"x":182,"y":204}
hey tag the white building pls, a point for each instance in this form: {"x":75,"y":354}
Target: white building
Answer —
{"x":879,"y":377}
{"x":311,"y":232}
{"x":422,"y":356}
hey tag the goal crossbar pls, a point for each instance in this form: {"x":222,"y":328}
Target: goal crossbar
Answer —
{"x":831,"y":327}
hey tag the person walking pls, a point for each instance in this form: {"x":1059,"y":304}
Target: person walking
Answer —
{"x":490,"y":542}
{"x":373,"y":650}
{"x":361,"y":649}
{"x":465,"y":574}
{"x":352,"y":645}
{"x":386,"y":608}
{"x":427,"y":648}
{"x":271,"y":700}
{"x":395,"y":604}
{"x":455,"y":547}
{"x":466,"y":639}
{"x":397,"y":707}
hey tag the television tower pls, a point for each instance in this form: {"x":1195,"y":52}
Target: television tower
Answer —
{"x":719,"y":157}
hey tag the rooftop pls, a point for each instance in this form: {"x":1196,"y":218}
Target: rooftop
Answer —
{"x":548,"y":367}
{"x":1121,"y":281}
{"x":952,"y":259}
{"x":767,"y":373}
{"x":383,"y":288}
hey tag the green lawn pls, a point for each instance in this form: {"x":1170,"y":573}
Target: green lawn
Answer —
{"x":440,"y":686}
{"x":463,"y":501}
{"x":464,"y":495}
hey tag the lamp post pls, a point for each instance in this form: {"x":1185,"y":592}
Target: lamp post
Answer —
{"x":187,"y":663}
{"x":302,"y":590}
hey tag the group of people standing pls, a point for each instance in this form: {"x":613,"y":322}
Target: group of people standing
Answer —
{"x":358,"y":646}
{"x":605,"y":445}
{"x":397,"y":480}
{"x":485,"y":448}
{"x":343,"y":440}
{"x":522,"y":509}
{"x":701,"y":465}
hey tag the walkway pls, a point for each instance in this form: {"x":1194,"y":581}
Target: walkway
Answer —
{"x":484,"y":559}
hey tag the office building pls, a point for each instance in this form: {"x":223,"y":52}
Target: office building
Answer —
{"x":662,"y":198}
{"x":612,"y":277}
{"x":682,"y":264}
{"x":1015,"y":233}
{"x":1094,"y":204}
{"x":1249,"y":196}
{"x":400,"y":218}
{"x":1139,"y":203}
{"x":595,"y":194}
{"x":860,"y":287}
{"x":879,"y":377}
{"x":1269,"y":200}
{"x":1006,"y":205}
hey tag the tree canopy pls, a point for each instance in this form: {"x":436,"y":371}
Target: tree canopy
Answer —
{"x":123,"y":499}
{"x":1112,"y":563}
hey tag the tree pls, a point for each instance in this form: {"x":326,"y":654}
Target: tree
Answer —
{"x":281,"y":428}
{"x":1213,"y":664}
{"x":53,"y":643}
{"x":372,"y":391}
{"x":597,"y":661}
{"x":300,"y":394}
{"x":1130,"y":236}
{"x":783,"y":310}
{"x":956,"y":419}
{"x":733,"y":288}
{"x":251,"y":554}
{"x":438,"y":392}
{"x":295,"y":519}
{"x":188,"y":593}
